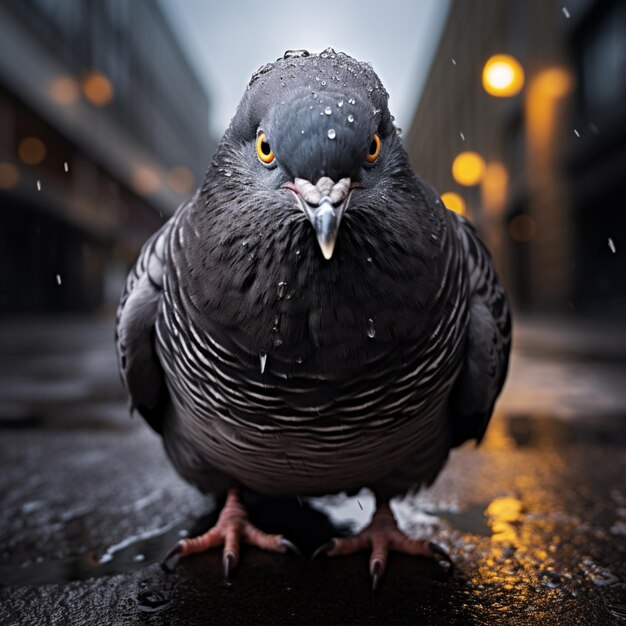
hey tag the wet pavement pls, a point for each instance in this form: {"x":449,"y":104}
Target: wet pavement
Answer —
{"x":534,"y":519}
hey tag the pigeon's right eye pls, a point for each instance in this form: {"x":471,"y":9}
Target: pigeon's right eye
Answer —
{"x":263,"y":150}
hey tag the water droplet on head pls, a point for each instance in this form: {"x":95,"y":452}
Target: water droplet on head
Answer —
{"x":350,"y":118}
{"x":323,"y":82}
{"x":351,"y":101}
{"x":340,"y":103}
{"x":399,"y":132}
{"x":331,"y":133}
{"x":299,"y":359}
{"x":263,"y":361}
{"x":371,"y":331}
{"x":66,"y":166}
{"x":314,"y":95}
{"x":328,"y":110}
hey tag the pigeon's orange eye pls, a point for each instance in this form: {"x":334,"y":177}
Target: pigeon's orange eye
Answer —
{"x":263,"y":150}
{"x":374,"y":151}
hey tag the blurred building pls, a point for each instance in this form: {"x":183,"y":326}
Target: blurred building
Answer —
{"x":548,"y":189}
{"x":103,"y":132}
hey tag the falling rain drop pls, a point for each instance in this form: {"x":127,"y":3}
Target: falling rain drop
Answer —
{"x":453,"y":61}
{"x":38,"y":185}
{"x":576,"y":133}
{"x":263,"y":361}
{"x":328,"y":110}
{"x":371,"y":331}
{"x":612,"y":246}
{"x":350,"y":118}
{"x":59,"y":277}
{"x":331,"y":133}
{"x":66,"y":167}
{"x":565,"y":12}
{"x":462,"y":135}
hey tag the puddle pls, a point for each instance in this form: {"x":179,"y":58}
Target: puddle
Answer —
{"x":132,"y":553}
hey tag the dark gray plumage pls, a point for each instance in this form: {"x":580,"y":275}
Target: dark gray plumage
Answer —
{"x":262,"y":363}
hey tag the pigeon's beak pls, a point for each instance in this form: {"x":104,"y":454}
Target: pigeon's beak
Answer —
{"x":324,"y":205}
{"x":325,"y":219}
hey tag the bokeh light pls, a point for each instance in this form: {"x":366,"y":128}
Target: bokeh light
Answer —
{"x":63,"y":90}
{"x":454,"y":202}
{"x":503,"y":76}
{"x":494,"y":187}
{"x":97,"y":88}
{"x":145,"y":180}
{"x":9,"y":176}
{"x":31,"y":150}
{"x":180,"y":179}
{"x":468,"y":168}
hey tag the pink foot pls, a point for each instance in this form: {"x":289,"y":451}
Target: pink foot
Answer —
{"x":232,"y":528}
{"x":383,"y":535}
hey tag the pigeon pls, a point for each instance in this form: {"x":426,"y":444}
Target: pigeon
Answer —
{"x":314,"y":320}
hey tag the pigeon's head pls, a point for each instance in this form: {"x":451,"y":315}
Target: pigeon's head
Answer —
{"x":313,"y":134}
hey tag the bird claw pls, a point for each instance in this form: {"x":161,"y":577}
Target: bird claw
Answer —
{"x":323,"y":549}
{"x":441,"y":556}
{"x":289,"y":546}
{"x":377,"y":572}
{"x":228,"y":563}
{"x":169,"y":563}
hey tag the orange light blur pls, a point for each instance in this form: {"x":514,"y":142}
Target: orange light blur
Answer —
{"x":543,"y":95}
{"x":454,"y":202}
{"x":468,"y":168}
{"x":9,"y":176}
{"x":31,"y":151}
{"x":97,"y":89}
{"x":145,"y":180}
{"x":494,"y":187}
{"x":503,"y":76}
{"x":63,"y":90}
{"x":180,"y":179}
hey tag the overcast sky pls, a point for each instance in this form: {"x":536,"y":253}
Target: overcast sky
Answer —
{"x":227,"y":41}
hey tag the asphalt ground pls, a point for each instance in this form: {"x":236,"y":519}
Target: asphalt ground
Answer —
{"x":534,"y":518}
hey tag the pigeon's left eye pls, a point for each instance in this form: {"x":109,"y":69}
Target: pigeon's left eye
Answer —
{"x":374,"y":151}
{"x":263,"y":150}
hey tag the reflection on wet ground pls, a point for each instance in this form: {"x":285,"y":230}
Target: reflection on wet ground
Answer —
{"x":534,"y":519}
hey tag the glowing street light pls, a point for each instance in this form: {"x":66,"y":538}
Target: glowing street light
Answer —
{"x":454,"y":202}
{"x":468,"y":168}
{"x":503,"y":76}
